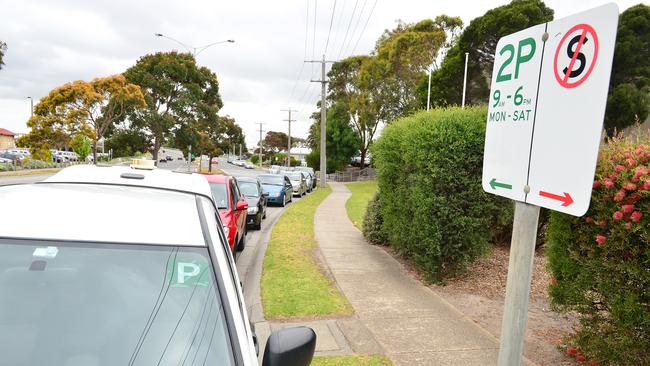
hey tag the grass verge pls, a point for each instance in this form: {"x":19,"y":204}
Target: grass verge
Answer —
{"x":352,"y":360}
{"x":293,"y":285}
{"x":362,"y":193}
{"x":29,"y":172}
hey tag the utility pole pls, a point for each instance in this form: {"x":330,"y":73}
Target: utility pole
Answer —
{"x":31,"y":101}
{"x":289,"y":142}
{"x":260,"y":144}
{"x":240,"y":155}
{"x":323,"y":121}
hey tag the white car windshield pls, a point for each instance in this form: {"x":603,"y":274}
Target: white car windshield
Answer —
{"x":103,"y":304}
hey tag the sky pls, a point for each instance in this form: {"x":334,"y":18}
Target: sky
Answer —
{"x":51,"y":43}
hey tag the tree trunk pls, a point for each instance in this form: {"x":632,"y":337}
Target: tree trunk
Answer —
{"x":210,"y":164}
{"x":94,"y":151}
{"x":156,"y":147}
{"x":363,"y":157}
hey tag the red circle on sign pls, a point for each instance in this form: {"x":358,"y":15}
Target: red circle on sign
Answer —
{"x":586,"y":28}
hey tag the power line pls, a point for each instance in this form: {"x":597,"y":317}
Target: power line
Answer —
{"x":348,"y":28}
{"x":338,"y":24}
{"x":302,"y":66}
{"x":356,"y":26}
{"x":313,"y":44}
{"x":327,"y":43}
{"x":364,"y":27}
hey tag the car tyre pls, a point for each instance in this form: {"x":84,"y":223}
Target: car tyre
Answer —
{"x":242,"y":243}
{"x":284,"y":201}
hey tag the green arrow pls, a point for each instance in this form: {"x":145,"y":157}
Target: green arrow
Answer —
{"x":494,"y":184}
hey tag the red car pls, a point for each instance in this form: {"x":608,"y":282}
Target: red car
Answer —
{"x":232,"y":209}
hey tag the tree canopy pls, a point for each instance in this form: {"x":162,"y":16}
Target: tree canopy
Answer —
{"x":629,"y":87}
{"x":3,"y":49}
{"x":177,"y":93}
{"x":480,"y":39}
{"x":79,"y":107}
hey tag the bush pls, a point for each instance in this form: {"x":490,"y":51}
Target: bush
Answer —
{"x":434,"y":209}
{"x":601,"y":262}
{"x":373,"y":223}
{"x":255,"y":159}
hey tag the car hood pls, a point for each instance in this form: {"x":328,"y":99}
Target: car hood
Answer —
{"x":271,"y":188}
{"x":252,"y":201}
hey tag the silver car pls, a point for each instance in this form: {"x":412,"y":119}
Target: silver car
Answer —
{"x":122,"y":286}
{"x":298,"y":182}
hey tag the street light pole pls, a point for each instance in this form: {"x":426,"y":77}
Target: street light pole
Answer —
{"x":194,"y":50}
{"x":465,"y":79}
{"x":31,"y":101}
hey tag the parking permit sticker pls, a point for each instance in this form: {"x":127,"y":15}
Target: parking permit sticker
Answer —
{"x":188,"y":273}
{"x":47,"y":252}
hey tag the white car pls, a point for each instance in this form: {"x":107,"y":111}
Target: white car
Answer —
{"x":249,"y":165}
{"x":118,"y":287}
{"x":3,"y":160}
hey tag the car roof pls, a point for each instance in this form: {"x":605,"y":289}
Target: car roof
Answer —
{"x":247,"y":179}
{"x":217,"y":178}
{"x":123,"y":175}
{"x":100,"y":213}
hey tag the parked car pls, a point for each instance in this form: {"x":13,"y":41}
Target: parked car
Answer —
{"x":11,"y":156}
{"x":274,"y":169}
{"x":4,"y":160}
{"x":249,"y":165}
{"x":298,"y":182}
{"x":256,"y":199}
{"x":278,"y":187}
{"x":232,"y":208}
{"x":102,"y":288}
{"x":311,"y":172}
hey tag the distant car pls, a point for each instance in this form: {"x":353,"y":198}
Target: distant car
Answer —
{"x":274,"y":169}
{"x":169,"y":158}
{"x":249,"y":165}
{"x":256,"y":199}
{"x":298,"y":182}
{"x":232,"y":209}
{"x":3,"y":160}
{"x":311,"y":172}
{"x":278,"y":187}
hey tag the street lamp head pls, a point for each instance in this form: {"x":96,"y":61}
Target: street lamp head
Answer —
{"x":28,"y":97}
{"x":158,"y":34}
{"x":231,"y":41}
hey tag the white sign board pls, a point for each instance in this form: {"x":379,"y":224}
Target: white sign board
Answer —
{"x":547,"y":103}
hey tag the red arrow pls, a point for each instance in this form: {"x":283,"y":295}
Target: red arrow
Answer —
{"x":566,"y":199}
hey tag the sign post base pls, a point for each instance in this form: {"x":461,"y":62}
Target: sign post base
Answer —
{"x":520,"y":270}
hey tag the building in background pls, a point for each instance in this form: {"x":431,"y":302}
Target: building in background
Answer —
{"x":7,"y":139}
{"x":300,"y":153}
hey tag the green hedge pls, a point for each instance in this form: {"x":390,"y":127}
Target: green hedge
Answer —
{"x":373,"y":223}
{"x":433,"y":206}
{"x":601,"y":262}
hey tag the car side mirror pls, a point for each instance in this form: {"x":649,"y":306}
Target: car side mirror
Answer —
{"x":241,"y":205}
{"x":265,"y":194}
{"x":290,"y":347}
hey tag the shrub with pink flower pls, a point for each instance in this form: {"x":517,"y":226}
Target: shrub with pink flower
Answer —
{"x":602,"y":261}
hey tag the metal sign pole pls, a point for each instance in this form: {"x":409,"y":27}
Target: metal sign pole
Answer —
{"x":520,"y":270}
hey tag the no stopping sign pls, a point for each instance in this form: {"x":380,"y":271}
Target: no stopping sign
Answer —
{"x":576,"y":55}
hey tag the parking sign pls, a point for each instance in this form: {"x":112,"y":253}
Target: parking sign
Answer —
{"x":552,"y":134}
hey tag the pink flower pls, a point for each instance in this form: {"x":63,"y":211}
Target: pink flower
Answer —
{"x":613,"y":176}
{"x":628,"y":208}
{"x":631,"y":162}
{"x":638,"y":151}
{"x":600,"y":239}
{"x":620,"y":195}
{"x":628,"y":225}
{"x":609,"y":183}
{"x":634,"y":197}
{"x":646,"y":186}
{"x":636,"y":216}
{"x":596,"y":184}
{"x":619,"y":168}
{"x":617,"y":215}
{"x":629,"y":186}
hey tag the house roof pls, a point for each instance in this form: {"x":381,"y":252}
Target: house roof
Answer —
{"x":6,"y":132}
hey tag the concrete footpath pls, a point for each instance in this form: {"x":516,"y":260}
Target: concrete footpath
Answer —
{"x":411,"y":323}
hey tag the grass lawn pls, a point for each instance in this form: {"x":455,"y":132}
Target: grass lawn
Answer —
{"x":362,"y":193}
{"x":353,"y":360}
{"x":292,"y":282}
